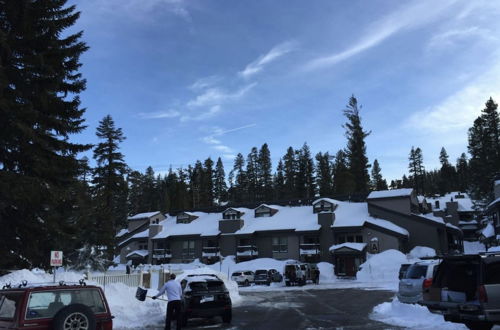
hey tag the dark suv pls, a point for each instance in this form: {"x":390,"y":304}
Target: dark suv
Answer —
{"x":53,"y":306}
{"x":205,"y":296}
{"x":466,"y":289}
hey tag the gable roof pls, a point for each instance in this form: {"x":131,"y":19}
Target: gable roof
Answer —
{"x":329,"y":200}
{"x":393,"y":193}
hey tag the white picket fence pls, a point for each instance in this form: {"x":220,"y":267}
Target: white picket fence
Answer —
{"x":147,"y":279}
{"x":133,"y":280}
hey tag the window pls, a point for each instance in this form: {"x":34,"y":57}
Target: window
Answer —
{"x":183,"y":218}
{"x":262,"y":212}
{"x":48,"y":303}
{"x":8,"y":304}
{"x":245,"y":242}
{"x":188,"y":249}
{"x":323,"y":207}
{"x":231,"y":215}
{"x":311,"y":239}
{"x":143,"y":245}
{"x":211,"y":243}
{"x":351,"y":238}
{"x":280,"y":244}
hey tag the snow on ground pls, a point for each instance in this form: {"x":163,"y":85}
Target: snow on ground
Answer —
{"x":410,"y":316}
{"x":473,"y":247}
{"x":421,"y":251}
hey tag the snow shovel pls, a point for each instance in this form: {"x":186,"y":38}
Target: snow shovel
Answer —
{"x":141,"y":295}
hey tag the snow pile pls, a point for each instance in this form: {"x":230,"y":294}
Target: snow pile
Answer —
{"x":488,"y":231}
{"x":494,"y":249}
{"x":132,"y":313}
{"x":420,"y":252}
{"x":38,"y":276}
{"x":326,"y":272}
{"x":473,"y":247}
{"x":381,"y":267}
{"x":410,"y":316}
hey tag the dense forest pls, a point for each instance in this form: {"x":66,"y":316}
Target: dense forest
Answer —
{"x":51,"y":198}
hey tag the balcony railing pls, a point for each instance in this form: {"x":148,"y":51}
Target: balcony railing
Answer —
{"x":162,"y":254}
{"x":247,"y":250}
{"x":210,"y":252}
{"x":309,"y":249}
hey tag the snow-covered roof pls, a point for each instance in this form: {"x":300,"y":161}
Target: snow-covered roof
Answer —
{"x":354,"y":246}
{"x":143,"y":215}
{"x":329,"y":200}
{"x":390,"y":193}
{"x":206,"y":224}
{"x":141,"y":253}
{"x":465,"y":204}
{"x":265,"y":205}
{"x":142,"y":234}
{"x":356,"y":214}
{"x":297,"y":218}
{"x":122,"y":232}
{"x":237,"y":209}
{"x":431,"y":217}
{"x":488,"y":231}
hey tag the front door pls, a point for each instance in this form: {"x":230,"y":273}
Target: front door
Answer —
{"x":350,"y":266}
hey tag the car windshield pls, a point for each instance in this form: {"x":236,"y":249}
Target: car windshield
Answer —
{"x":236,"y":274}
{"x":8,"y":304}
{"x":416,"y":271}
{"x":261,"y":272}
{"x":211,"y":286}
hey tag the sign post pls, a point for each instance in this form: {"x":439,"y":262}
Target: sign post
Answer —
{"x":56,"y":260}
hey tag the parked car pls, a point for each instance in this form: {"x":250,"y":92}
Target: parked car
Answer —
{"x":57,"y":307}
{"x":466,"y":289}
{"x":295,"y":274}
{"x":266,"y":276}
{"x":205,"y":296}
{"x":243,"y":277}
{"x":402,"y":270}
{"x":410,"y":286}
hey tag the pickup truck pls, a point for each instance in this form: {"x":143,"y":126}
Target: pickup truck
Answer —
{"x":466,"y":289}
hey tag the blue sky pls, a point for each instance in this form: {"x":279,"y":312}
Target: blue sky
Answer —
{"x":186,"y":80}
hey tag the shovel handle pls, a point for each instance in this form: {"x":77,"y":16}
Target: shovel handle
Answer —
{"x":157,"y":298}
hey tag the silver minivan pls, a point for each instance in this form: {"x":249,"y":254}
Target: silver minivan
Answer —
{"x":416,"y":277}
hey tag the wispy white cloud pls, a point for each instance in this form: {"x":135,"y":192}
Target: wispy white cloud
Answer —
{"x":204,"y":83}
{"x":160,"y":114}
{"x":217,"y":144}
{"x":408,"y":17}
{"x":458,"y":111}
{"x":448,"y":38}
{"x":216,"y":96}
{"x":275,"y":53}
{"x":212,"y":111}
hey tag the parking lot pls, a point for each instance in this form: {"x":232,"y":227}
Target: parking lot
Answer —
{"x":303,"y":309}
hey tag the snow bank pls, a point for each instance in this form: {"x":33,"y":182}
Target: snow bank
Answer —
{"x":38,"y":276}
{"x":382,"y":267}
{"x":473,"y":247}
{"x":410,"y":316}
{"x":326,"y":274}
{"x":131,"y":313}
{"x":421,"y":251}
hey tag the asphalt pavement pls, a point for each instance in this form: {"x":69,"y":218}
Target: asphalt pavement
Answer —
{"x":303,"y":309}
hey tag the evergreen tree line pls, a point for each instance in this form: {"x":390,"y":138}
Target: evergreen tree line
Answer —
{"x":474,"y":175}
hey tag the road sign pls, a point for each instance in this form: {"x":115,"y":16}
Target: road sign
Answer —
{"x":56,"y":258}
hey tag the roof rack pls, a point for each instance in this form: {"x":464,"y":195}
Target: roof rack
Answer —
{"x":25,"y":284}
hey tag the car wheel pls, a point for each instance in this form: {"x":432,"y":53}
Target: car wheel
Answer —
{"x":76,"y":316}
{"x":227,"y":316}
{"x":479,"y":325}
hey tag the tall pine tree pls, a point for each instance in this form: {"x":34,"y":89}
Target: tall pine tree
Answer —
{"x":356,"y":148}
{"x":39,"y":110}
{"x":109,"y":185}
{"x":378,"y":182}
{"x":220,"y":186}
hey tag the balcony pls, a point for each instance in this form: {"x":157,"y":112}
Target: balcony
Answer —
{"x":210,"y":252}
{"x":309,"y":249}
{"x":162,"y":254}
{"x":247,"y":251}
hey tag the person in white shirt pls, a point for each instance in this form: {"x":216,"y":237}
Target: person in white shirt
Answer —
{"x":174,"y":295}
